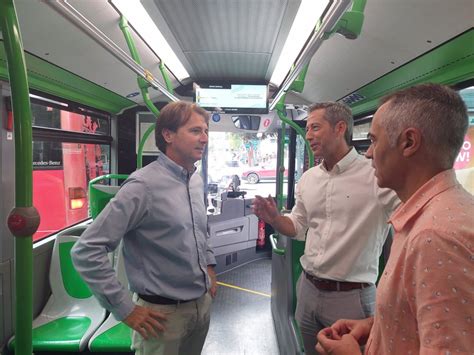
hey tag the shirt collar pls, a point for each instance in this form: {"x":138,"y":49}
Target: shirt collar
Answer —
{"x":344,"y":163}
{"x":433,"y":187}
{"x":174,"y":168}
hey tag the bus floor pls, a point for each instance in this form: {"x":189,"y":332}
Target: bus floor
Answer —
{"x":241,"y":320}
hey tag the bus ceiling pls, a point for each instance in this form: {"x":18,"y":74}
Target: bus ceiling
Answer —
{"x":240,"y":41}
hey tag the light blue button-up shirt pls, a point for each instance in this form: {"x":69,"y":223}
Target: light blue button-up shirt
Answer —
{"x":160,"y":215}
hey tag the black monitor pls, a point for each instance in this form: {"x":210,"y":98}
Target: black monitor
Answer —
{"x":232,"y":98}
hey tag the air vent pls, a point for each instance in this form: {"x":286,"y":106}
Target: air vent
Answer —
{"x":353,"y":98}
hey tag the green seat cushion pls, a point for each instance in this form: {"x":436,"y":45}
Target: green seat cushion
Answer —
{"x":62,"y":334}
{"x":116,"y":339}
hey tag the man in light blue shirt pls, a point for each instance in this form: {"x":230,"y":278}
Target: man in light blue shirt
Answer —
{"x":160,"y":215}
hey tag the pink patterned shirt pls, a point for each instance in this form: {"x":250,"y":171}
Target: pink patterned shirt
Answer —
{"x":425,"y":299}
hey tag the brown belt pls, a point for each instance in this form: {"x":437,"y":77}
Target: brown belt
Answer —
{"x":160,"y":299}
{"x":331,"y":285}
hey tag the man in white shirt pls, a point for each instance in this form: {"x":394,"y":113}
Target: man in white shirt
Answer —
{"x":342,"y":214}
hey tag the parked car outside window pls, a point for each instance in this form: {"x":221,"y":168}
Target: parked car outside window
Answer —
{"x":263,"y":172}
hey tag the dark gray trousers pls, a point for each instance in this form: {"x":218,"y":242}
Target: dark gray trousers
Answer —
{"x":316,"y":309}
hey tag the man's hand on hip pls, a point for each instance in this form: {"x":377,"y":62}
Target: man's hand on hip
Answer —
{"x":212,"y":276}
{"x":146,"y":321}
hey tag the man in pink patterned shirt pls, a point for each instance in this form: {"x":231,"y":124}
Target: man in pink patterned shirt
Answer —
{"x":425,"y":298}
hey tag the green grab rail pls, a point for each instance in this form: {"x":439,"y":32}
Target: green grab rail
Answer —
{"x":98,"y":199}
{"x":351,"y":22}
{"x":143,"y":85}
{"x":166,"y":77}
{"x":302,"y":133}
{"x":96,"y":202}
{"x":279,"y":188}
{"x":273,"y":242}
{"x":297,"y":85}
{"x":23,"y":173}
{"x":108,"y":176}
{"x":141,"y":146}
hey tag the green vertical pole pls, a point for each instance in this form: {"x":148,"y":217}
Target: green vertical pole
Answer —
{"x":166,"y":78}
{"x":143,"y":85}
{"x":23,"y":175}
{"x":280,"y":107}
{"x":279,"y":190}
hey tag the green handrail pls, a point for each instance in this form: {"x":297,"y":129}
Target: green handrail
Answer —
{"x":99,"y":198}
{"x":23,"y":173}
{"x":297,"y":85}
{"x":143,"y":85}
{"x":351,"y":22}
{"x":273,"y":242}
{"x":108,"y":176}
{"x":280,"y":167}
{"x":166,"y":78}
{"x":301,"y":132}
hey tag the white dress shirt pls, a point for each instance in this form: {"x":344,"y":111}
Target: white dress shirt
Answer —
{"x":345,"y":214}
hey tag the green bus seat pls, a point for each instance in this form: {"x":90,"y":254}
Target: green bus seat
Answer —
{"x":100,"y":194}
{"x":72,"y":313}
{"x":113,"y":335}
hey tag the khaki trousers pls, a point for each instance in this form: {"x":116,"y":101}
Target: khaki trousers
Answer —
{"x":186,"y":329}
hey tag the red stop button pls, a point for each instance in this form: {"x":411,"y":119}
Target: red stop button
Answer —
{"x":16,"y":222}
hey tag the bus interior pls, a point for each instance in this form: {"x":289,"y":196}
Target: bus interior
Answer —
{"x":93,"y":73}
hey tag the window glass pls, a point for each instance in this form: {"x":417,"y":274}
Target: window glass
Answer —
{"x":301,"y":158}
{"x":246,"y":162}
{"x":52,"y":117}
{"x":62,"y":170}
{"x":61,"y":173}
{"x":464,"y":164}
{"x":360,"y":132}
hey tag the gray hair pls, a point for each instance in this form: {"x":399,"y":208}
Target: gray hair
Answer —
{"x":335,"y":112}
{"x":437,"y":111}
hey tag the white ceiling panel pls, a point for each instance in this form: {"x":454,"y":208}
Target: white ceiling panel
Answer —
{"x":394,"y":32}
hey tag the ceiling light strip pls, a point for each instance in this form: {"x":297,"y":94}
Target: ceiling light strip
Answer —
{"x":140,"y":20}
{"x":329,"y":21}
{"x":75,"y":17}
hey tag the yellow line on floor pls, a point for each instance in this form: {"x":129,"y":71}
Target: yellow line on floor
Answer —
{"x":243,"y":289}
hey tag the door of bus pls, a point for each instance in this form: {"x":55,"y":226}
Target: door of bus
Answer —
{"x":286,"y":267}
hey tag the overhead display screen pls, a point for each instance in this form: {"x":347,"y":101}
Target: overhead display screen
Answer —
{"x":233,"y":98}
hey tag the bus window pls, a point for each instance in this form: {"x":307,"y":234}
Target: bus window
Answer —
{"x":54,"y":117}
{"x":360,"y":132}
{"x":63,"y":167}
{"x":464,"y":164}
{"x":247,"y":159}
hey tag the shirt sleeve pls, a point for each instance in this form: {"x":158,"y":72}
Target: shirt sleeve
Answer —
{"x":210,"y":258}
{"x":438,"y":281}
{"x":90,"y":253}
{"x":298,"y":214}
{"x":388,"y":199}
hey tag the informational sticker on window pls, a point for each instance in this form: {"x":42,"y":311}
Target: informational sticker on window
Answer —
{"x":464,"y":164}
{"x":145,"y":120}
